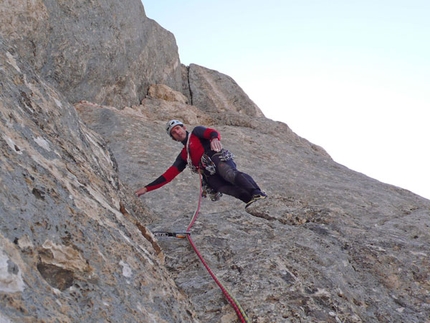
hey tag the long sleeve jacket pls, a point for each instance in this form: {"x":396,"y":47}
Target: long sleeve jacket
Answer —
{"x":198,"y":144}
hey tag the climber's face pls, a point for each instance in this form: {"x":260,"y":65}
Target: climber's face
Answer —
{"x":178,"y":133}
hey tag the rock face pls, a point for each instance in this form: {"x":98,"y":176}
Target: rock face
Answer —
{"x":102,"y":51}
{"x":212,"y":91}
{"x":71,"y":246}
{"x":328,"y":245}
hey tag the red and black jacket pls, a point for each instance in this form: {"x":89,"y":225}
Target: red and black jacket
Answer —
{"x":199,"y":143}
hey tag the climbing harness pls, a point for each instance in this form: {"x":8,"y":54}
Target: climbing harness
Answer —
{"x":207,"y":164}
{"x":230,"y":298}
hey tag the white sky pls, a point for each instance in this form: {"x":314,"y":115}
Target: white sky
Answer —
{"x":350,"y":76}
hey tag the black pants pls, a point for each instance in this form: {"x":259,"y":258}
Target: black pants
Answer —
{"x":228,"y":180}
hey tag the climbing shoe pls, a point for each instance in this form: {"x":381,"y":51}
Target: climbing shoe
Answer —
{"x":256,"y":197}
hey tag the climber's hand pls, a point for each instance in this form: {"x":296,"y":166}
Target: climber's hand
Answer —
{"x":216,"y":145}
{"x":141,"y":191}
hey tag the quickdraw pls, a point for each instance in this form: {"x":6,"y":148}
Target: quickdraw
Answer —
{"x":208,"y":164}
{"x":187,"y":234}
{"x":180,"y":234}
{"x":207,"y":191}
{"x":226,"y":155}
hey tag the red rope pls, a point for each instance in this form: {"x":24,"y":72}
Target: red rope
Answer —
{"x":196,"y":212}
{"x":233,"y":302}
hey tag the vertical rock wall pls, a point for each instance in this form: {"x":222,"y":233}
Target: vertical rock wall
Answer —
{"x":72,"y":246}
{"x":104,"y":51}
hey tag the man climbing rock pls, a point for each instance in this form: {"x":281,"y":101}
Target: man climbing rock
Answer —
{"x":203,"y":152}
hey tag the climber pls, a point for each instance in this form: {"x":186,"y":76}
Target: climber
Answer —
{"x":203,"y":152}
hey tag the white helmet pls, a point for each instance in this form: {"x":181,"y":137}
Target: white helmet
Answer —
{"x":171,"y":124}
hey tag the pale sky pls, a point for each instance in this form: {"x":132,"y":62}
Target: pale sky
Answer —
{"x":350,"y":76}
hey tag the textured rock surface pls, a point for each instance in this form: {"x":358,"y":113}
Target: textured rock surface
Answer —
{"x":212,"y":91}
{"x":105,"y":51}
{"x":329,"y":245}
{"x":70,"y":248}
